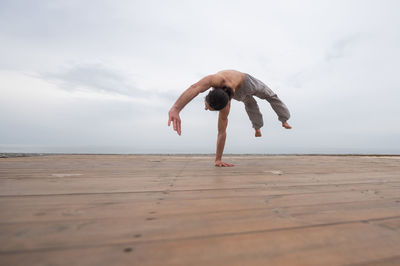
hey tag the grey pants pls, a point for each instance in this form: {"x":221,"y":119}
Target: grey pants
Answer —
{"x":254,"y":87}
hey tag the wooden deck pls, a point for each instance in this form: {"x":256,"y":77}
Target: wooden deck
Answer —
{"x":181,"y":210}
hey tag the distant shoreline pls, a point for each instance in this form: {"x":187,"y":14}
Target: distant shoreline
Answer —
{"x":15,"y":155}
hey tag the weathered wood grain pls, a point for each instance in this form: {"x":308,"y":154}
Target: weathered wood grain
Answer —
{"x":180,"y":210}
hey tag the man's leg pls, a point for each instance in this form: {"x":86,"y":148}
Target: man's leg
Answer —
{"x":264,"y":92}
{"x":255,"y":116}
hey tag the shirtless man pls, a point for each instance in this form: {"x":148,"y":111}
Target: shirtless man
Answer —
{"x":228,"y":84}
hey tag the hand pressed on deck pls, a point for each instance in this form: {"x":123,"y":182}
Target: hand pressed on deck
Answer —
{"x":222,"y":164}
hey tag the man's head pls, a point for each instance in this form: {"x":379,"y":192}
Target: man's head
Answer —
{"x":218,"y":98}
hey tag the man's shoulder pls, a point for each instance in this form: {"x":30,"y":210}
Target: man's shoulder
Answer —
{"x":232,"y":78}
{"x":230,"y":72}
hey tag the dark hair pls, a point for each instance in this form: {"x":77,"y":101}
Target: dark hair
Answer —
{"x":219,"y":97}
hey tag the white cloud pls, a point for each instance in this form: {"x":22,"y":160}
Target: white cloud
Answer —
{"x":108,"y":77}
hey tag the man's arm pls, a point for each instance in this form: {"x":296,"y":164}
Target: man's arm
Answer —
{"x":188,"y":95}
{"x":222,"y":125}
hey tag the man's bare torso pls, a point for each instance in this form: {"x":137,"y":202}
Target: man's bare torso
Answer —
{"x":231,"y":78}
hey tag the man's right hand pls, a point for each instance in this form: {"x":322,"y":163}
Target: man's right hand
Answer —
{"x":219,"y":163}
{"x":176,"y":120}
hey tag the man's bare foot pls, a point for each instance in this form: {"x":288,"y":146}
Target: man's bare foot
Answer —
{"x":258,"y":133}
{"x":286,"y":125}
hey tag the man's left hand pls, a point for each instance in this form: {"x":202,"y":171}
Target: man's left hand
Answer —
{"x":175,"y":119}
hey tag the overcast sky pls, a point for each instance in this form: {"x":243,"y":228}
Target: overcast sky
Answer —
{"x":100,"y":76}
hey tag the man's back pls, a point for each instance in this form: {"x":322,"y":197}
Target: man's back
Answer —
{"x":232,"y":78}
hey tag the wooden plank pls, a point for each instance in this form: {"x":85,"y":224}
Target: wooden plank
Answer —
{"x":182,"y":210}
{"x":140,"y":224}
{"x":59,"y":182}
{"x":325,"y":245}
{"x":19,"y":209}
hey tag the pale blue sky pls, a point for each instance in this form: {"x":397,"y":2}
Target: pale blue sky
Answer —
{"x":100,"y":76}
